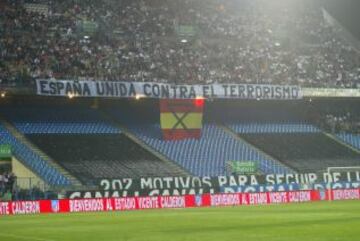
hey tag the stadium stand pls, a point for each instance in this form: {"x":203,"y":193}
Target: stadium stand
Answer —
{"x":209,"y":155}
{"x":42,"y":9}
{"x":96,"y":156}
{"x":175,"y":41}
{"x":300,"y":146}
{"x":352,"y":139}
{"x":273,"y":128}
{"x":82,"y":141}
{"x":33,"y":160}
{"x":70,"y":128}
{"x":69,"y":119}
{"x":285,"y":42}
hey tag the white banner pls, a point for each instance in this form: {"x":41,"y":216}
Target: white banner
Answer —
{"x":330,"y":92}
{"x":165,"y":91}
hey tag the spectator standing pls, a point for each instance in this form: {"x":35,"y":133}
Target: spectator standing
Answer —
{"x":2,"y":184}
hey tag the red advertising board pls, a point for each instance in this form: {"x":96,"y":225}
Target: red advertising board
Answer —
{"x":159,"y":202}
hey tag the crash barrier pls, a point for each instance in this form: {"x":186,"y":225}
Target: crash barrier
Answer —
{"x":186,"y":201}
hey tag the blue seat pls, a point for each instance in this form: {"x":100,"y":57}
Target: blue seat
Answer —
{"x":207,"y":156}
{"x":352,"y":139}
{"x":65,"y":128}
{"x":273,"y":128}
{"x":72,"y":120}
{"x":31,"y":159}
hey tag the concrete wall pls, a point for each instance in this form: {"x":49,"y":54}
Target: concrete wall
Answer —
{"x":25,"y":178}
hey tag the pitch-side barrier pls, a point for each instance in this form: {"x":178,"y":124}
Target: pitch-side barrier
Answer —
{"x":160,"y":202}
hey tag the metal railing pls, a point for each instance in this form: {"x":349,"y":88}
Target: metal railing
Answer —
{"x":36,"y":189}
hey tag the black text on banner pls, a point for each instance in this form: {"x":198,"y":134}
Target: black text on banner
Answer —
{"x":165,"y":91}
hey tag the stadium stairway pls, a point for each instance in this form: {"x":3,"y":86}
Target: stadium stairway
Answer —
{"x":349,"y":140}
{"x":20,"y":137}
{"x":236,"y":136}
{"x":209,"y":155}
{"x":302,"y":146}
{"x":45,"y":127}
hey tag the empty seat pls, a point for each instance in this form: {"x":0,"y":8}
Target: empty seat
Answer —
{"x":209,"y":155}
{"x":97,"y":156}
{"x":273,"y":128}
{"x":352,"y":139}
{"x":32,"y":160}
{"x":304,"y":152}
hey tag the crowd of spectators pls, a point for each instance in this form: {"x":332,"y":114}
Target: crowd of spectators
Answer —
{"x":7,"y":182}
{"x":341,"y":123}
{"x":10,"y":191}
{"x":243,"y":41}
